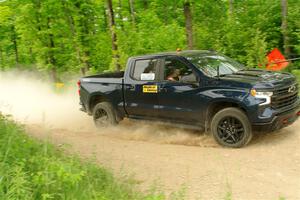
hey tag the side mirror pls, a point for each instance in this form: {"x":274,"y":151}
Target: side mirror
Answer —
{"x":190,"y":79}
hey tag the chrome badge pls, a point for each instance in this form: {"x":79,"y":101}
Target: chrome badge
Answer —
{"x":292,"y":89}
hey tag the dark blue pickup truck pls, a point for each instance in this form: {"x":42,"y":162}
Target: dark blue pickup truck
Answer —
{"x":200,"y":89}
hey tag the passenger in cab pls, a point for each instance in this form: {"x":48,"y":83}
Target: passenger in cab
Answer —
{"x":174,"y":75}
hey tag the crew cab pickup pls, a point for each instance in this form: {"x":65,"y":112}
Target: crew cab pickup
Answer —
{"x":200,"y":89}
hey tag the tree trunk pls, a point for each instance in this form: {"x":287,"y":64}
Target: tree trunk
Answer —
{"x":14,"y":41}
{"x":116,"y":55}
{"x":230,"y":7}
{"x":284,"y":27}
{"x":1,"y":59}
{"x":188,"y":23}
{"x":54,"y":75}
{"x":131,"y":6}
{"x":145,"y":3}
{"x":51,"y":57}
{"x":31,"y":55}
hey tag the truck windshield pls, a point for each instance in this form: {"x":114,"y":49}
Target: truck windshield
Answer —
{"x":209,"y":64}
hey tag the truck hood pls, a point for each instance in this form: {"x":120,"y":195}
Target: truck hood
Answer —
{"x":261,"y":78}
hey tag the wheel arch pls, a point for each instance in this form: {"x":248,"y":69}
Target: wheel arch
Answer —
{"x":100,"y":97}
{"x":94,"y":100}
{"x":218,"y":105}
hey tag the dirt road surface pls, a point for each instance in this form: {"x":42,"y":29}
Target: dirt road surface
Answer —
{"x":269,"y":168}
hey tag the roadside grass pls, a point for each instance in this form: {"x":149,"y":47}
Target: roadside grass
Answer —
{"x":30,"y":169}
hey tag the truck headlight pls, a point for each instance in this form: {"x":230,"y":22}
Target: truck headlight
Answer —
{"x":262,"y":95}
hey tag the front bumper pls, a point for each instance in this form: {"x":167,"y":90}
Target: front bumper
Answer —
{"x":279,"y":121}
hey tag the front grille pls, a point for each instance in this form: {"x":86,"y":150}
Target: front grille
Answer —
{"x":283,"y":97}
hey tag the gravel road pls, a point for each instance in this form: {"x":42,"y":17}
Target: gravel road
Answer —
{"x":177,"y":159}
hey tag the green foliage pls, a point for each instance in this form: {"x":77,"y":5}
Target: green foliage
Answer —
{"x":256,"y":49}
{"x":63,"y":37}
{"x":36,"y":170}
{"x":297,"y":74}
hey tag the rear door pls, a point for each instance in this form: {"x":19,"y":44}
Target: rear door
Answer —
{"x":141,"y":88}
{"x":179,"y":97}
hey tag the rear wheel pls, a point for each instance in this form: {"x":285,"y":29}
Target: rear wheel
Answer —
{"x":231,"y":128}
{"x":104,"y":115}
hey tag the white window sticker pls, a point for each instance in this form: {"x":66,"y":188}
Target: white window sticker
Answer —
{"x":147,"y":76}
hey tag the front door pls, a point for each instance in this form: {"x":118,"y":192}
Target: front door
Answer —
{"x":179,"y":92}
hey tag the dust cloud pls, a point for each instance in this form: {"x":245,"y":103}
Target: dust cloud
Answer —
{"x":33,"y":102}
{"x":158,"y":133}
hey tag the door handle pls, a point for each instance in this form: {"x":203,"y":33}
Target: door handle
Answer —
{"x":163,"y":89}
{"x":130,"y":87}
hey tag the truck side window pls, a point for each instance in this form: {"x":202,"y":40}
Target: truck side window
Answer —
{"x":145,"y":69}
{"x":175,"y":70}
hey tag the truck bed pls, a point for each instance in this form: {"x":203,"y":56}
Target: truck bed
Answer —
{"x":105,"y":78}
{"x":108,"y":75}
{"x":108,"y":85}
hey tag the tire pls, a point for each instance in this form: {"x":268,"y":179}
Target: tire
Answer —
{"x":230,"y":127}
{"x":104,"y":115}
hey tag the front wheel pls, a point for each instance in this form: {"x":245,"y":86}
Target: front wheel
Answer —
{"x":104,"y":115}
{"x":231,"y":128}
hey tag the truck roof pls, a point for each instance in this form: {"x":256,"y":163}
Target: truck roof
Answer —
{"x":184,"y":53}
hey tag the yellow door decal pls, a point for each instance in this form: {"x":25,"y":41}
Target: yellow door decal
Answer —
{"x":149,"y":88}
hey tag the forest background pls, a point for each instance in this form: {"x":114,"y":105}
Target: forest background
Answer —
{"x":59,"y":38}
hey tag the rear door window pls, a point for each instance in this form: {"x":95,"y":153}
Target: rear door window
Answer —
{"x":145,"y":70}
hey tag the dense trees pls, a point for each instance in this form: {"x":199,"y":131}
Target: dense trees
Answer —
{"x":89,"y":36}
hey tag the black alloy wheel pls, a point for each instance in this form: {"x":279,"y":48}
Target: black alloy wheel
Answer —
{"x":230,"y":130}
{"x":101,"y":117}
{"x":230,"y":127}
{"x":104,"y":115}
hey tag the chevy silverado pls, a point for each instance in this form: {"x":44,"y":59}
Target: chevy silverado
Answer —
{"x":199,"y":89}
